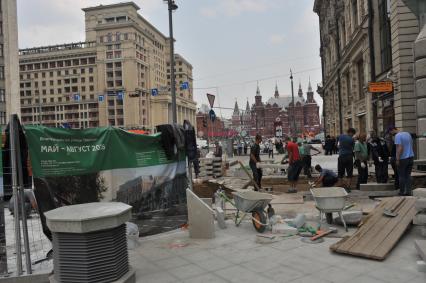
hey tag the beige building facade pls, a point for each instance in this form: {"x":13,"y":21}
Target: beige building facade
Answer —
{"x":9,"y":64}
{"x":366,"y":41}
{"x":106,"y":80}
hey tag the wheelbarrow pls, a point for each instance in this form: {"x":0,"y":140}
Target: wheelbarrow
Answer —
{"x":329,"y":200}
{"x":250,"y":202}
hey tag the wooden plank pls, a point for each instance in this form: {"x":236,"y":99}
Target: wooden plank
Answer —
{"x":399,"y":229}
{"x":360,"y":233}
{"x":379,"y":234}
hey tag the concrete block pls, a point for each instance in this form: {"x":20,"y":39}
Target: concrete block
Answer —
{"x":421,"y":92}
{"x":88,"y":217}
{"x":377,"y":187}
{"x":421,"y":126}
{"x":420,"y":204}
{"x":284,"y":229}
{"x":420,"y":67}
{"x":421,"y":266}
{"x":421,"y":145}
{"x":200,"y":217}
{"x":421,"y":248}
{"x":419,"y":193}
{"x":220,"y":217}
{"x":420,"y":219}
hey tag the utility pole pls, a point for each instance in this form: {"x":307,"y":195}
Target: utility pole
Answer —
{"x":172,"y":7}
{"x":294,"y":130}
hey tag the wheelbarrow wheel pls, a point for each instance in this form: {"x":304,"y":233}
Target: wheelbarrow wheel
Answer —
{"x":260,"y":216}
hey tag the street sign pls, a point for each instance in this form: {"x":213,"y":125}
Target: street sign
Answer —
{"x":101,"y":98}
{"x":212,"y":115}
{"x":154,"y":92}
{"x":386,"y":86}
{"x":243,"y":133}
{"x":184,"y":85}
{"x":211,"y":98}
{"x":120,"y":95}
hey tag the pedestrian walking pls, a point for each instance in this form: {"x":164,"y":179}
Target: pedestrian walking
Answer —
{"x":327,"y":177}
{"x":270,"y":149}
{"x":307,"y":158}
{"x":379,"y":153}
{"x":404,"y":160}
{"x":245,"y":148}
{"x":328,"y":145}
{"x":240,"y":148}
{"x":254,"y":159}
{"x":361,"y":157}
{"x":390,"y":142}
{"x":335,"y":143}
{"x":345,"y":160}
{"x":295,"y":165}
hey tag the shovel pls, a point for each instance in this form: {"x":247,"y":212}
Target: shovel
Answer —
{"x":392,"y":212}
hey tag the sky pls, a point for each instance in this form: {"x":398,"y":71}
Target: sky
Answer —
{"x":233,"y":45}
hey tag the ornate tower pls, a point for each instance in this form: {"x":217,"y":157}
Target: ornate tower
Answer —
{"x":310,"y":93}
{"x":300,"y":92}
{"x":258,"y":97}
{"x":276,"y":94}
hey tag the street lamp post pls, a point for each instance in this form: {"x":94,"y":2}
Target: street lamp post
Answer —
{"x":292,"y":101}
{"x":172,"y":7}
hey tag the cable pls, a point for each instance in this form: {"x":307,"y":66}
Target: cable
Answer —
{"x":256,"y":80}
{"x":251,"y":68}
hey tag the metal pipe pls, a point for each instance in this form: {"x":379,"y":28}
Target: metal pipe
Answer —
{"x":339,"y":87}
{"x":22,"y":199}
{"x":372,"y":57}
{"x":294,"y":129}
{"x":172,"y":6}
{"x":12,"y":131}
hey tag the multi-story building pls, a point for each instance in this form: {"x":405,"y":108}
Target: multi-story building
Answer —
{"x":116,"y":77}
{"x":161,"y":104}
{"x":279,"y":112}
{"x":9,"y":64}
{"x":366,"y":41}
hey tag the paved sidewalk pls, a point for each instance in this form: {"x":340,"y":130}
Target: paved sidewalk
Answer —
{"x":233,"y":256}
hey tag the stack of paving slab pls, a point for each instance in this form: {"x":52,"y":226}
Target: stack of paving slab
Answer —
{"x":420,"y":219}
{"x":378,"y":189}
{"x":210,"y":167}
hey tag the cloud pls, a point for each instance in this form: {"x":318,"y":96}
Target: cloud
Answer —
{"x":276,"y":39}
{"x":233,"y":8}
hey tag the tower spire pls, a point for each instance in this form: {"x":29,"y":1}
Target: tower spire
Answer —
{"x":247,"y":106}
{"x":300,"y":92}
{"x":236,"y":109}
{"x":258,"y":90}
{"x":277,"y":94}
{"x":309,"y":86}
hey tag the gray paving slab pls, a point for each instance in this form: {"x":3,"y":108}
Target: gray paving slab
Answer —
{"x":234,"y":256}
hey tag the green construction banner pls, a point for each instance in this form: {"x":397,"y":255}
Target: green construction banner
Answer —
{"x":63,"y":152}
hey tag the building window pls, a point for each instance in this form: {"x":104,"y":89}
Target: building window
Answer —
{"x":90,"y":70}
{"x":2,"y":95}
{"x":1,"y":53}
{"x":355,"y":13}
{"x":360,"y":74}
{"x":1,"y":72}
{"x":385,"y":35}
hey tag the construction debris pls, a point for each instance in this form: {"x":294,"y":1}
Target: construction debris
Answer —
{"x":284,"y":229}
